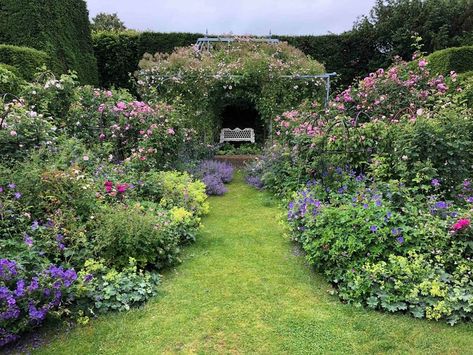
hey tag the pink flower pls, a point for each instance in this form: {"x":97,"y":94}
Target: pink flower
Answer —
{"x":121,"y":106}
{"x":13,"y":133}
{"x":461,"y":224}
{"x":108,"y":93}
{"x":422,"y":63}
{"x":171,"y":131}
{"x":101,"y":108}
{"x":121,"y":188}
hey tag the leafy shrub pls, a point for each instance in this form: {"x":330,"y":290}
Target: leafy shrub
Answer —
{"x":175,"y":189}
{"x":22,"y":130}
{"x":363,"y":236}
{"x":456,"y":59}
{"x":26,"y":60}
{"x":130,"y":231}
{"x":107,"y":289}
{"x":9,"y":81}
{"x":50,"y":95}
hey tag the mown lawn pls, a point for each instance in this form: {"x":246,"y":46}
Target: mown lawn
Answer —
{"x":243,"y":289}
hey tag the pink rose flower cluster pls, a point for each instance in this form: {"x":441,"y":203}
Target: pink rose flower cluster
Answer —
{"x":115,"y":189}
{"x":461,"y":225}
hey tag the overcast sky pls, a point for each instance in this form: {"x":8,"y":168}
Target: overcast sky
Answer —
{"x":236,"y":16}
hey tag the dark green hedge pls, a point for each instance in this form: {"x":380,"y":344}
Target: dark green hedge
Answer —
{"x":459,"y":59}
{"x":25,"y":60}
{"x":57,"y":27}
{"x":118,"y":53}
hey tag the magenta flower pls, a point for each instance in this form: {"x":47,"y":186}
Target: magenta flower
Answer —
{"x":461,"y":224}
{"x":121,"y":188}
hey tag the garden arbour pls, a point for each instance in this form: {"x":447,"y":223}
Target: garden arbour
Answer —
{"x":266,"y":79}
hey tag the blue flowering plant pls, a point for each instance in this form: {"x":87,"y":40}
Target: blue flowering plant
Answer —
{"x":360,"y":233}
{"x":27,"y":297}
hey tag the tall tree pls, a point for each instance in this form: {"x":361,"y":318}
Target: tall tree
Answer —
{"x":107,"y":22}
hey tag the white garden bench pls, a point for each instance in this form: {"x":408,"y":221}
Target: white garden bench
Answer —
{"x":237,"y":135}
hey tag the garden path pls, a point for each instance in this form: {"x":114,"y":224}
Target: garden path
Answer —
{"x":242,"y":288}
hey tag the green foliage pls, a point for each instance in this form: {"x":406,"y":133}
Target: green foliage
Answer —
{"x":107,"y":22}
{"x":10,"y":82}
{"x":102,"y":289}
{"x":27,"y":61}
{"x":451,"y":59}
{"x":203,"y":82}
{"x":118,"y":53}
{"x":132,"y":231}
{"x":174,"y":189}
{"x":59,"y":27}
{"x":366,"y":239}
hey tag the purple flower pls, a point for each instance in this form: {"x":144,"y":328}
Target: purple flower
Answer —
{"x":17,"y":195}
{"x":7,"y":269}
{"x":1,"y":189}
{"x":254,"y":181}
{"x":20,"y":288}
{"x":435,"y":182}
{"x":214,"y":185}
{"x":374,"y":229}
{"x":88,"y":278}
{"x":35,"y":225}
{"x":35,"y":313}
{"x":396,"y":231}
{"x":217,"y":168}
{"x":441,"y":205}
{"x":11,"y":186}
{"x":28,"y":240}
{"x":400,"y":240}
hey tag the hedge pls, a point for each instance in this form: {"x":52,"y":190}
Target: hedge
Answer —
{"x":459,"y":59}
{"x":25,"y":60}
{"x":118,"y":53}
{"x":10,"y":82}
{"x":58,"y":27}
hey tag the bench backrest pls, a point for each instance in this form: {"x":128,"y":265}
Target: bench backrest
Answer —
{"x":237,"y":135}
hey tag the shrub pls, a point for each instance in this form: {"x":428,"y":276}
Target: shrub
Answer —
{"x":22,"y":130}
{"x":123,"y":231}
{"x":456,"y":59}
{"x":366,"y":239}
{"x":101,"y":289}
{"x":173,"y":189}
{"x":26,"y":60}
{"x":10,"y":83}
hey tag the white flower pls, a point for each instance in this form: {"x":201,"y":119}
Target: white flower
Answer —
{"x":85,"y":158}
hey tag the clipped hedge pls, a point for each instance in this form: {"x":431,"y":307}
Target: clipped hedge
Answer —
{"x":118,"y":53}
{"x":10,"y":82}
{"x":58,"y":27}
{"x":459,"y":59}
{"x":25,"y":60}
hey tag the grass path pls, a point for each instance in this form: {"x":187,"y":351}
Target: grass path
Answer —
{"x":242,"y":289}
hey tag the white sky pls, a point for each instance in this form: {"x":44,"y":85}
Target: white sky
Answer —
{"x":236,"y":16}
